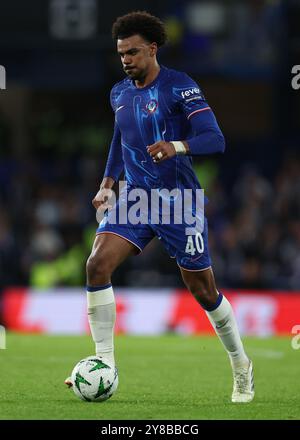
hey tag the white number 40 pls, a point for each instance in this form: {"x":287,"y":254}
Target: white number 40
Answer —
{"x":194,"y":242}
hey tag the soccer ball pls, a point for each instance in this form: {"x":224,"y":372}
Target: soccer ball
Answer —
{"x":94,"y":379}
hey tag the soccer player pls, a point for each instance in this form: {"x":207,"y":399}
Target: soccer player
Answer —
{"x":161,"y":120}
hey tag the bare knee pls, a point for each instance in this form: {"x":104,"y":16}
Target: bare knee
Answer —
{"x":99,"y":268}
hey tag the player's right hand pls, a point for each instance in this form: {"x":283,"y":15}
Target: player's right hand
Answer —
{"x":100,"y":201}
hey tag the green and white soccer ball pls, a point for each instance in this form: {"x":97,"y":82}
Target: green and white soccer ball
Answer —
{"x":94,"y":379}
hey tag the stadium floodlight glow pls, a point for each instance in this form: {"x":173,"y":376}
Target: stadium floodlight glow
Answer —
{"x":2,"y":78}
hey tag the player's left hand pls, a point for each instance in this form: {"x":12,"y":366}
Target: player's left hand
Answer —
{"x":161,"y":150}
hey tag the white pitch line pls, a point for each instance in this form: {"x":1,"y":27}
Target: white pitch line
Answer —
{"x":270,"y":354}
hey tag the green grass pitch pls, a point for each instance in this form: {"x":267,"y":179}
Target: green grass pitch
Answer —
{"x":164,"y":378}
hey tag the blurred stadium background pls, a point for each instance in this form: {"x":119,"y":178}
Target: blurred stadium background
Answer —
{"x":55,"y":130}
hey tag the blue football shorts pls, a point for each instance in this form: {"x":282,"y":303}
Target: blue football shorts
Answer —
{"x":191,"y":251}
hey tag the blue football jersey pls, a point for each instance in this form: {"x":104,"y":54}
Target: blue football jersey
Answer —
{"x":160,"y":111}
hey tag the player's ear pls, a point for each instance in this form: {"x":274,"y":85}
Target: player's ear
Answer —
{"x":153,"y":49}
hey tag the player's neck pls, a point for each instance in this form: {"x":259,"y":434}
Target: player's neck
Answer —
{"x":150,"y":77}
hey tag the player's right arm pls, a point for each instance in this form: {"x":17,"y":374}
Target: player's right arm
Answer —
{"x":103,"y":195}
{"x":114,"y":164}
{"x":113,"y":170}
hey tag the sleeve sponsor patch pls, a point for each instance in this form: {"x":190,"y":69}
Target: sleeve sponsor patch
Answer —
{"x":188,"y":94}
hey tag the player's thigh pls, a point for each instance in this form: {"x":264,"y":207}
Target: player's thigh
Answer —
{"x":110,"y":250}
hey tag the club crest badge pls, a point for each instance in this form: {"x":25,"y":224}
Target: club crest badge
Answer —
{"x":152,"y":106}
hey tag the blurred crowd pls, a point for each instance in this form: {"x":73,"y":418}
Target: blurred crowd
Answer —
{"x":47,"y":226}
{"x":255,"y":238}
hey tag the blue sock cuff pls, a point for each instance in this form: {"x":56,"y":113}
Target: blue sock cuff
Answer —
{"x":96,"y":288}
{"x":216,"y":305}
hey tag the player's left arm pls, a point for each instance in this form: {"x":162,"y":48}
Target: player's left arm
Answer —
{"x":163,"y":150}
{"x":207,"y":136}
{"x":208,"y":139}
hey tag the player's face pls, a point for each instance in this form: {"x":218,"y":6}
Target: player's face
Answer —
{"x":137,"y":56}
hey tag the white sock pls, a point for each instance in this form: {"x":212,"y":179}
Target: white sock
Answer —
{"x":224,"y":324}
{"x":102,"y":317}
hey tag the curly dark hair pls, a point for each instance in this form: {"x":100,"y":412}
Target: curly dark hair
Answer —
{"x":148,"y":26}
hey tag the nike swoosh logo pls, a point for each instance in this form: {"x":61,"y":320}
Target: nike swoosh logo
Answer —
{"x":119,"y":108}
{"x":222,"y":325}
